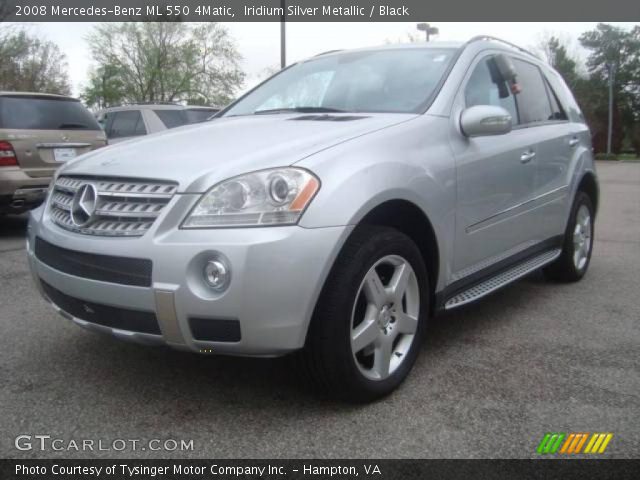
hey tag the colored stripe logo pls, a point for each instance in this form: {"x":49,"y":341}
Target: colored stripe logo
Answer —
{"x":574,"y":443}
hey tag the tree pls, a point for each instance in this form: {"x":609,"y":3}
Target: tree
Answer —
{"x":557,"y":55}
{"x":31,"y":64}
{"x":616,"y":46}
{"x":105,"y":87}
{"x":163,"y":62}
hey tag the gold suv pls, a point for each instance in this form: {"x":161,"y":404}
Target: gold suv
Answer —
{"x":39,"y":132}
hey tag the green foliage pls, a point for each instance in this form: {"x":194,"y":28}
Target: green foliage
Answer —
{"x":610,"y":45}
{"x":560,"y":59}
{"x":31,"y":64}
{"x":606,"y":156}
{"x":162,"y":62}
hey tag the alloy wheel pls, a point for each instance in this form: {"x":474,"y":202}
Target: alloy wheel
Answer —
{"x":385,"y":315}
{"x":582,"y":237}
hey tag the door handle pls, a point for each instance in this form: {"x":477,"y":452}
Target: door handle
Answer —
{"x":526,"y":157}
{"x":574,"y":141}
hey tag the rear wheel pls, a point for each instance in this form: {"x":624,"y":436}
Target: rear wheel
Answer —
{"x":370,"y":319}
{"x":578,"y":243}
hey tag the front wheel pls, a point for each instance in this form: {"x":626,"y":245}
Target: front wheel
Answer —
{"x":370,"y":319}
{"x":578,"y":243}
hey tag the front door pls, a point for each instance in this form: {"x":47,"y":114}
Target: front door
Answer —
{"x":495,"y":178}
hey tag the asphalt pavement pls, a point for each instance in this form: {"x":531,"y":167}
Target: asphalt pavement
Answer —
{"x":491,"y":380}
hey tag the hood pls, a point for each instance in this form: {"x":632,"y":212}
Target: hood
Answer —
{"x":198,"y":156}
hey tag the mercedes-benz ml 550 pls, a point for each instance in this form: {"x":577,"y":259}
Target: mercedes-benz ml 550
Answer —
{"x":329,"y":212}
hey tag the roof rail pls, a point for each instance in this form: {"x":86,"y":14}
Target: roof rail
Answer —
{"x":496,"y":39}
{"x":328,"y":52}
{"x":129,"y":104}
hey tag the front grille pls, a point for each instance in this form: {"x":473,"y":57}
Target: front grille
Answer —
{"x":123,"y":207}
{"x":106,"y":315}
{"x":104,"y":268}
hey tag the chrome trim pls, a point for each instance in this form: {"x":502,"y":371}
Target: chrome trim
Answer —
{"x":479,"y":225}
{"x":63,"y":145}
{"x":167,"y":317}
{"x":124,"y":207}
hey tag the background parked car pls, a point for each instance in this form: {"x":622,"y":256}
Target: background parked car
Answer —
{"x":129,"y":121}
{"x":197,"y":114}
{"x":38,"y":132}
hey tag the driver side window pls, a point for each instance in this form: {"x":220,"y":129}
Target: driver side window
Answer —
{"x":486,"y":87}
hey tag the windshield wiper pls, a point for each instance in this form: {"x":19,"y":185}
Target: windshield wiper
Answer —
{"x":299,"y":110}
{"x":64,"y":126}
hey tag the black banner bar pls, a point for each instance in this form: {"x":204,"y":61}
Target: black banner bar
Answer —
{"x":317,"y":10}
{"x":582,"y":469}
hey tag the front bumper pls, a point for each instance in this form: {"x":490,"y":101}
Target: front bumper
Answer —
{"x":276,"y":277}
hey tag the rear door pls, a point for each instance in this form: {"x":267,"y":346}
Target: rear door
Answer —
{"x":541,"y":112}
{"x":47,"y":131}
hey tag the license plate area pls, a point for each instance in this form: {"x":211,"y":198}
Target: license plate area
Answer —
{"x":64,"y":154}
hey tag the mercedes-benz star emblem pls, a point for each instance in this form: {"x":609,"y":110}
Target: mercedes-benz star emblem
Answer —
{"x":84,"y":205}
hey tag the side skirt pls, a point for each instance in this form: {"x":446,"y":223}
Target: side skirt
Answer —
{"x":498,"y":275}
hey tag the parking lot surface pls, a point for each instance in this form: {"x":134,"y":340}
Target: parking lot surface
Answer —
{"x":491,"y":380}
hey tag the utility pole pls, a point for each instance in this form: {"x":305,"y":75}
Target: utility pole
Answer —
{"x":283,"y":35}
{"x":611,"y":68}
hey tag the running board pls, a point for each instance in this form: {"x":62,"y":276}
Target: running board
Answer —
{"x":502,"y":279}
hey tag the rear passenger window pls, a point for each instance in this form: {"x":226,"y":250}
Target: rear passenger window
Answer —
{"x":486,"y":87}
{"x":533,"y":101}
{"x":126,"y":124}
{"x":172,"y":118}
{"x":557,"y":112}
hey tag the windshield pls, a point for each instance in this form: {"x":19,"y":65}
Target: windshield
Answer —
{"x":395,"y":80}
{"x":38,"y":113}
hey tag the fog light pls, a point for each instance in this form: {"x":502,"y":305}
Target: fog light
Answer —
{"x":217,"y":274}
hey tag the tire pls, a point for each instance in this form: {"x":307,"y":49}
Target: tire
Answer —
{"x":354,"y":312}
{"x":577,"y":245}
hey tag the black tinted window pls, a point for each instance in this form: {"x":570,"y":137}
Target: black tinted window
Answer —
{"x":557,"y":112}
{"x":37,"y":113}
{"x":197,"y":115}
{"x":486,"y":87}
{"x":125,"y":124}
{"x":172,"y":118}
{"x":533,"y":101}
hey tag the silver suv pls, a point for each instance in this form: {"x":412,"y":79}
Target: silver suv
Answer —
{"x":130,"y":121}
{"x":329,"y":212}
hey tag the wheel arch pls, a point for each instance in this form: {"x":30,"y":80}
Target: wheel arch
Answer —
{"x":411,"y":220}
{"x":589,"y":185}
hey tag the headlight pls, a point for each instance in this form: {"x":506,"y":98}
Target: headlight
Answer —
{"x":268,"y":197}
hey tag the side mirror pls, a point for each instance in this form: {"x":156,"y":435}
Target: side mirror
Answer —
{"x":506,"y":67}
{"x":485,"y":120}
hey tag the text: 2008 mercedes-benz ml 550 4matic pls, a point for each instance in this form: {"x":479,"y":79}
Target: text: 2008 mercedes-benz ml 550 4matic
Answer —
{"x":330,"y":211}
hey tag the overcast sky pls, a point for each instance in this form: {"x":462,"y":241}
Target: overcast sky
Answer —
{"x":259,"y":42}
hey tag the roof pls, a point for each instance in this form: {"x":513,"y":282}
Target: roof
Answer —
{"x":201,"y":107}
{"x":396,"y":46}
{"x":36,"y":94}
{"x":481,"y":40}
{"x":144,"y":106}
